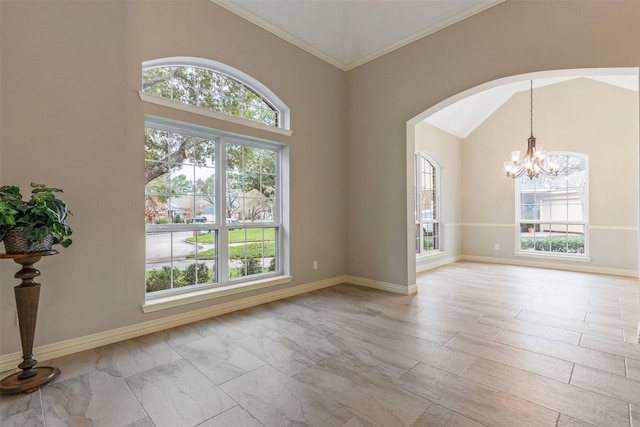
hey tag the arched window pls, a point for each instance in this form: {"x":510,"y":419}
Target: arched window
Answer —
{"x":552,"y":213}
{"x":215,"y":201}
{"x":428,"y":231}
{"x":213,"y":86}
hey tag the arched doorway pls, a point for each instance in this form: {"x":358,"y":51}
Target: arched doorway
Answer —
{"x":479,"y":223}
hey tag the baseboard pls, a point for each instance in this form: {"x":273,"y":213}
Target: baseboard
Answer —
{"x":554,"y":266}
{"x":383,"y":286}
{"x":75,"y":345}
{"x":429,"y":263}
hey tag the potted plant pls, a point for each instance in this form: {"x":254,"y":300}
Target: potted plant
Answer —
{"x":34,"y":225}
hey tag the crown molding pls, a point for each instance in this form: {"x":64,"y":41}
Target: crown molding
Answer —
{"x":253,"y":18}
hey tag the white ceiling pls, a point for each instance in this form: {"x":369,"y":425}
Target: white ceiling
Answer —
{"x":462,"y":117}
{"x":348,"y":33}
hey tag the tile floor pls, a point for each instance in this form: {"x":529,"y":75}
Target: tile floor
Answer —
{"x":479,"y":345}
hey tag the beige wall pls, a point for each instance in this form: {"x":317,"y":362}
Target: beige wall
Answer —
{"x":71,"y":117}
{"x":580,"y":115}
{"x":512,"y":38}
{"x":446,"y":149}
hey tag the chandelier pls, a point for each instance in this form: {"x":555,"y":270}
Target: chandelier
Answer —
{"x":533,"y":163}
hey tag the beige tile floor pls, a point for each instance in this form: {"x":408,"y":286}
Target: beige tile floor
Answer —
{"x":479,"y":345}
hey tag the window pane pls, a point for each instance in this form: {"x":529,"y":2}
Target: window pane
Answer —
{"x":159,"y":266}
{"x":251,"y":183}
{"x":430,"y":240}
{"x":252,"y":251}
{"x":208,"y":89}
{"x":177,"y":259}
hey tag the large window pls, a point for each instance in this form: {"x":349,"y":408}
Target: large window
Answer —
{"x":212,"y":207}
{"x":552,"y":211}
{"x":428,"y":235}
{"x":214,"y":204}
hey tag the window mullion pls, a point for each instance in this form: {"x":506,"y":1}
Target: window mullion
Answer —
{"x":221,"y":197}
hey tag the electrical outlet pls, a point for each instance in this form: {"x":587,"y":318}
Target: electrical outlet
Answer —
{"x":497,"y":247}
{"x":315,"y":265}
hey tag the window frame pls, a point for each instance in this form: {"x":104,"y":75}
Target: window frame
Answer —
{"x":437,"y":221}
{"x":519,"y":222}
{"x":221,"y":227}
{"x":174,"y":119}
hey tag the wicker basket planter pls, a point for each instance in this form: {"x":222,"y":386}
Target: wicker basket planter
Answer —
{"x":16,"y":243}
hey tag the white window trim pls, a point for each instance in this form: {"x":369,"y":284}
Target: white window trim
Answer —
{"x":556,"y":255}
{"x":284,"y":124}
{"x":551,"y":255}
{"x":177,"y":105}
{"x":220,"y":291}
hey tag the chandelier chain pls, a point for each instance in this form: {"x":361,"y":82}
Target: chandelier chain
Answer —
{"x":531,"y":106}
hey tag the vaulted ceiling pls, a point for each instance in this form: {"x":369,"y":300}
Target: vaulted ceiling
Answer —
{"x":349,"y":33}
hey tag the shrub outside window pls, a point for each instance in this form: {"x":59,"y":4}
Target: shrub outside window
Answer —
{"x":428,"y":233}
{"x":552,"y":211}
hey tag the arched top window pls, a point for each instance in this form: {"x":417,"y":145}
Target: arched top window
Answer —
{"x":427,"y":180}
{"x":213,"y":86}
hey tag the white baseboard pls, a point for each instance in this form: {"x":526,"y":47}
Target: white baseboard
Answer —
{"x":428,"y":263}
{"x":383,"y":286}
{"x":75,"y":345}
{"x":554,"y":266}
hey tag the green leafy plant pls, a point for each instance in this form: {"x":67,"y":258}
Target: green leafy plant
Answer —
{"x":43,"y":215}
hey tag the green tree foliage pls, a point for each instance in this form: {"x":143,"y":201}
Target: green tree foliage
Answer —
{"x":203,"y":274}
{"x":249,"y":266}
{"x":210,"y":90}
{"x":251,"y":180}
{"x":158,"y":280}
{"x":206,"y":189}
{"x":165,"y":151}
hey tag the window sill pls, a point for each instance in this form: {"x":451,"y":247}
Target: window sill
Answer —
{"x":550,"y":256}
{"x":427,"y":255}
{"x":171,"y":301}
{"x":210,"y":113}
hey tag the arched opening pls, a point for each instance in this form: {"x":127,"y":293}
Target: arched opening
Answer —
{"x":584,"y":110}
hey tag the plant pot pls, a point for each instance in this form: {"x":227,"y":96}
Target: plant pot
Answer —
{"x":16,"y":243}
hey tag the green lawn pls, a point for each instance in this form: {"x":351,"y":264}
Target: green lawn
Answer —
{"x":253,"y":250}
{"x":238,"y":236}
